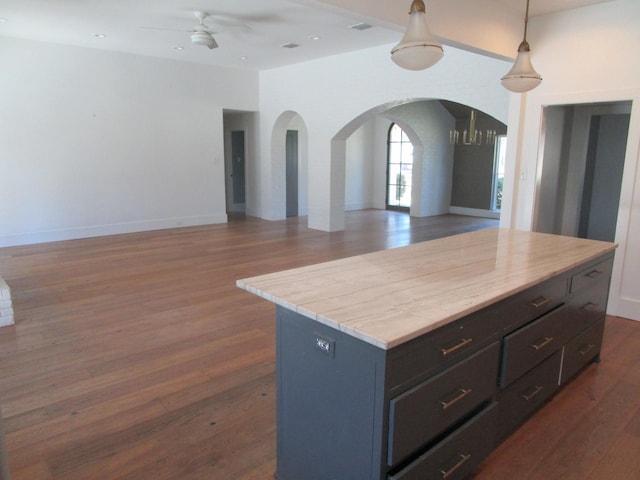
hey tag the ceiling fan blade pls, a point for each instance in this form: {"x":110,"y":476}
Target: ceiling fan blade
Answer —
{"x":166,"y":29}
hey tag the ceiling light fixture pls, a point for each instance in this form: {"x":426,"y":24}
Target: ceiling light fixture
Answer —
{"x":472,"y":136}
{"x":201,"y":34}
{"x":204,"y":38}
{"x":522,"y":77}
{"x":418,"y":49}
{"x":99,"y":35}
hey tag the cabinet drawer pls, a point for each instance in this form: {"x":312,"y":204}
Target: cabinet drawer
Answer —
{"x":585,"y":309}
{"x":424,"y":356}
{"x":427,"y":410}
{"x":526,"y":395}
{"x":533,"y":303}
{"x":598,"y":273}
{"x":581,"y":350}
{"x":528,"y":346}
{"x":456,"y":456}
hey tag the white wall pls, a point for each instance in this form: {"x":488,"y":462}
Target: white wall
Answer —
{"x":433,"y":171}
{"x":360,"y":167}
{"x":95,"y":142}
{"x":584,"y":56}
{"x":335,"y":95}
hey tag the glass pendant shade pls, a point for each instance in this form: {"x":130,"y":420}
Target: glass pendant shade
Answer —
{"x":418,"y":49}
{"x":522,"y":77}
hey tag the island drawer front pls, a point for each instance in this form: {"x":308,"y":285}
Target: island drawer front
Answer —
{"x":581,"y":350}
{"x":533,"y":303}
{"x":526,"y":395}
{"x":427,"y":410}
{"x":599,"y":273}
{"x":528,"y":346}
{"x":585,"y":309}
{"x":457,"y":455}
{"x":434,"y":352}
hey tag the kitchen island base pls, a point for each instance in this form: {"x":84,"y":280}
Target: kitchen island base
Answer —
{"x":348,"y":410}
{"x":414,"y":363}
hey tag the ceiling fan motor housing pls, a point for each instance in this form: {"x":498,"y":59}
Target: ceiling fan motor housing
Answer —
{"x":203,"y":38}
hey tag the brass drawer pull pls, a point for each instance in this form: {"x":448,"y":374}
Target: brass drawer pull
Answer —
{"x":544,"y":343}
{"x":463,"y":343}
{"x":452,"y":470}
{"x":593,"y":274}
{"x":586,"y":349}
{"x":536,"y":390}
{"x":463,"y":393}
{"x":591,"y":307}
{"x":539,"y":302}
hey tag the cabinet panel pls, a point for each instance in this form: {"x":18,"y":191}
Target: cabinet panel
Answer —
{"x":527,"y":347}
{"x":526,"y":395}
{"x":533,"y":303}
{"x":327,"y":403}
{"x":584,"y":309}
{"x":598,"y":273}
{"x":435,"y":351}
{"x":581,"y":350}
{"x":456,"y":456}
{"x":427,"y":410}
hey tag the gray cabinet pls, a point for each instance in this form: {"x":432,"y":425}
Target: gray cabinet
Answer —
{"x":436,"y":406}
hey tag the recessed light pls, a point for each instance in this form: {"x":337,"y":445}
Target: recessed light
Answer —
{"x":360,"y":26}
{"x":314,"y":37}
{"x":99,"y":35}
{"x":289,"y":45}
{"x":178,"y":47}
{"x":244,"y":57}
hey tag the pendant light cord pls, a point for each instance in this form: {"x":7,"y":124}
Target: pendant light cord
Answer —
{"x":526,"y":21}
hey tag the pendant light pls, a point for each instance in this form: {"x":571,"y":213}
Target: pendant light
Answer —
{"x":522,"y":77}
{"x":418,"y":49}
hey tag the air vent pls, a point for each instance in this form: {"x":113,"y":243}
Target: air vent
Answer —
{"x":360,"y":26}
{"x":289,"y":45}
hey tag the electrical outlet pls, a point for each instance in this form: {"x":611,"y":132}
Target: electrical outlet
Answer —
{"x":325,"y":345}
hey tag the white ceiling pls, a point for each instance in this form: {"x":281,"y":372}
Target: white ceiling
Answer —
{"x":254,"y":29}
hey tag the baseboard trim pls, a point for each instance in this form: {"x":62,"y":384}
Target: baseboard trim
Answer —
{"x":111,"y":229}
{"x":474,"y":212}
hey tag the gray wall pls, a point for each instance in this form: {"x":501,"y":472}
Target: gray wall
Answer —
{"x":574,"y":197}
{"x":473,"y":166}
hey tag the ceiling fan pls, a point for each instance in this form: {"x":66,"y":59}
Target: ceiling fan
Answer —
{"x":202,"y":35}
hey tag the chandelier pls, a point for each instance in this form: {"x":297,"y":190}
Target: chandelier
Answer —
{"x":472,"y":136}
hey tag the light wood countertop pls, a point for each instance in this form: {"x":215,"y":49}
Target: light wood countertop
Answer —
{"x":389,"y":297}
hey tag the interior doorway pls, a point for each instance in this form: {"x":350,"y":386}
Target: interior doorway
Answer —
{"x":291,"y":152}
{"x":237,"y":193}
{"x":580,"y":176}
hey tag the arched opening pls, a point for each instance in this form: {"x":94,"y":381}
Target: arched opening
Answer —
{"x":440,"y":166}
{"x":289,"y":154}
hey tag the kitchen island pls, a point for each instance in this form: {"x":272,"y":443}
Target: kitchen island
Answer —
{"x":416,"y":362}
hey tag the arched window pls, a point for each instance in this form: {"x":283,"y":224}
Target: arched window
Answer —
{"x":399,"y":168}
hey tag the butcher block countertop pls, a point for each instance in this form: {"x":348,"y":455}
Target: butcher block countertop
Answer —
{"x":389,"y":297}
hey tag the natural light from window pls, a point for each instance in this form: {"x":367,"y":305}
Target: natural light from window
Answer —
{"x":498,"y":172}
{"x":399,"y":169}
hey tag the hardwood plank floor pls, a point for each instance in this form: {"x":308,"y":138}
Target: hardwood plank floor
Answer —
{"x":136,"y":357}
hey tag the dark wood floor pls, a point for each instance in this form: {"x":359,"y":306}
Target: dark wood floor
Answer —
{"x":136,"y":357}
